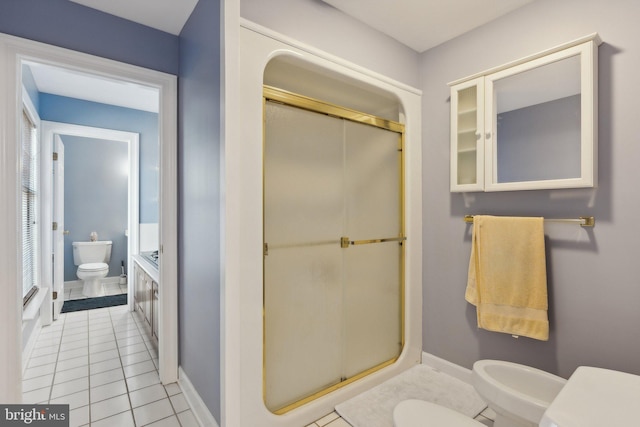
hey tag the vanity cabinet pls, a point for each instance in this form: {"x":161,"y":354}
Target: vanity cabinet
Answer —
{"x":140,"y":296}
{"x":530,"y":124}
{"x":146,"y":295}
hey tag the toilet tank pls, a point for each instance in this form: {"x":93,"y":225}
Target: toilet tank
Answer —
{"x":86,"y":252}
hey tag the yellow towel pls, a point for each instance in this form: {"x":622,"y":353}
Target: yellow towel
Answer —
{"x":507,"y":275}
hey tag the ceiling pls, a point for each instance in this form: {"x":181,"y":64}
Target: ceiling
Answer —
{"x":74,"y":84}
{"x":419,"y":24}
{"x":166,"y":15}
{"x":423,"y":24}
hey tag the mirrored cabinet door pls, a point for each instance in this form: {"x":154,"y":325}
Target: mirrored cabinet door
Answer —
{"x":539,"y":126}
{"x":541,"y":119}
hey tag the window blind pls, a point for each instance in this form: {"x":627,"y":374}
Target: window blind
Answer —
{"x":29,"y":179}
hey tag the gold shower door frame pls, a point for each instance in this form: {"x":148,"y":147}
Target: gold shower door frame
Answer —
{"x":329,"y":275}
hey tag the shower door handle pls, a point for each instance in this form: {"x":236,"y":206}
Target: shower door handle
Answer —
{"x":369,"y":241}
{"x":344,"y":242}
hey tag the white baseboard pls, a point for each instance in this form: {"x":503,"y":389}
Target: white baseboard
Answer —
{"x":450,"y":368}
{"x":199,"y":409}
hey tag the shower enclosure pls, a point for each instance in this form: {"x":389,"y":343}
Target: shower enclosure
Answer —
{"x":333,"y":247}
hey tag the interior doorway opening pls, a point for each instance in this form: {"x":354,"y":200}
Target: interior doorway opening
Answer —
{"x":15,"y":52}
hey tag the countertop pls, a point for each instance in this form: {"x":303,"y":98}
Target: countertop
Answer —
{"x":147,"y":266}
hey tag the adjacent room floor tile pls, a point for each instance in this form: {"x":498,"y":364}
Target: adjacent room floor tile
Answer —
{"x":147,"y":395}
{"x":39,"y":370}
{"x":106,"y":365}
{"x":72,"y":363}
{"x":124,"y":419}
{"x":79,"y":416}
{"x":75,"y":400}
{"x":69,"y":387}
{"x":101,"y":364}
{"x":110,"y":407}
{"x":139,"y":368}
{"x":71,"y":374}
{"x":37,"y":382}
{"x":106,"y":377}
{"x":153,"y":412}
{"x":141,"y":381}
{"x":179,"y":403}
{"x":187,"y":419}
{"x":107,"y":391}
{"x":171,"y":421}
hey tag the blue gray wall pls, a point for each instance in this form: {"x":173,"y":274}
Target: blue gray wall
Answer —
{"x":594,"y":290}
{"x":539,"y":142}
{"x":106,"y":219}
{"x":30,"y":86}
{"x":73,"y":26}
{"x":96,"y":197}
{"x":199,"y":194}
{"x":78,"y":112}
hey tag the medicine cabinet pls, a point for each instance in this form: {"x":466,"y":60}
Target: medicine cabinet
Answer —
{"x":530,"y":124}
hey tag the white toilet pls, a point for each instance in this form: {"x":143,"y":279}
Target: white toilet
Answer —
{"x":518,"y":394}
{"x":91,"y":259}
{"x":420,"y":413}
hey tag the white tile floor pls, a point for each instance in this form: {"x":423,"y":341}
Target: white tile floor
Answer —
{"x":102,"y":363}
{"x":73,"y":290}
{"x":104,"y":366}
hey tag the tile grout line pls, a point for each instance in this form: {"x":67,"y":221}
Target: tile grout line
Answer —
{"x":142,"y":333}
{"x":55,"y":367}
{"x":124,"y":374}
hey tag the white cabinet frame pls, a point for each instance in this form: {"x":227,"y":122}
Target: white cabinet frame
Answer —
{"x":471,"y":150}
{"x":486,"y":178}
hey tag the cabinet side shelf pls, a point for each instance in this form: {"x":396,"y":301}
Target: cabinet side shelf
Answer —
{"x":470,"y":110}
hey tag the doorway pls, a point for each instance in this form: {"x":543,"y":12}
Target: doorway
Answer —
{"x":53,"y":133}
{"x":13,"y":53}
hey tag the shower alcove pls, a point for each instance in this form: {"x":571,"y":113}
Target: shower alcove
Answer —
{"x":270,"y":376}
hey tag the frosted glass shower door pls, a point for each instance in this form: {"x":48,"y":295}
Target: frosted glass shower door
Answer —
{"x":304,"y":215}
{"x":332,"y":276}
{"x":372,"y":269}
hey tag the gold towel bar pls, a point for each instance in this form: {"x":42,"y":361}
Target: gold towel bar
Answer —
{"x":583,"y":221}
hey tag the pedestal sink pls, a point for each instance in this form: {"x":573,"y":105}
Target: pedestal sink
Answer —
{"x":595,"y":397}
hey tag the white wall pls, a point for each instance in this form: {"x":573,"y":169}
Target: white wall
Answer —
{"x":320,"y":25}
{"x":594,"y":286}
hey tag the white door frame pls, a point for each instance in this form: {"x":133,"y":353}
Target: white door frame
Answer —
{"x":51,"y":129}
{"x":56,"y":187}
{"x":13,"y":51}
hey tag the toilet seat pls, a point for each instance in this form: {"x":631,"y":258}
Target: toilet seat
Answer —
{"x":93,"y":266}
{"x":420,"y":413}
